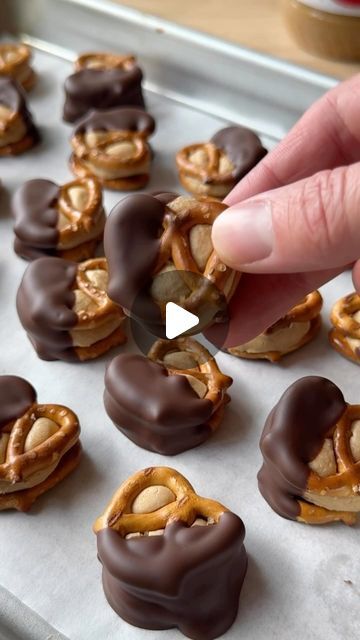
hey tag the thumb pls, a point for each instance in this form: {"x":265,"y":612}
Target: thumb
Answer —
{"x":309,"y":225}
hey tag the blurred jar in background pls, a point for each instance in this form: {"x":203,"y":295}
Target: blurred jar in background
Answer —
{"x":327,"y":28}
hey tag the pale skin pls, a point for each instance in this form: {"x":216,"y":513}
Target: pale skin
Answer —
{"x":294,"y":220}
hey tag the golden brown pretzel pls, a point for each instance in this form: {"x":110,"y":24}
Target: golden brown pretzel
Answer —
{"x":10,"y":123}
{"x":204,"y":169}
{"x":15,"y":62}
{"x":80,"y":215}
{"x":205,"y":368}
{"x":343,"y":483}
{"x":179,"y":503}
{"x":94,"y":60}
{"x":182,"y":216}
{"x":345,"y":317}
{"x":101,"y":306}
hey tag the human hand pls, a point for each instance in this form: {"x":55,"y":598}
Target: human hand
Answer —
{"x":294,"y":220}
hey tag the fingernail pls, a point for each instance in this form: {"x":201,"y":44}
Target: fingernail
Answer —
{"x":243,"y":234}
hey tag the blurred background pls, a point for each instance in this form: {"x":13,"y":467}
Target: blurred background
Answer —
{"x":275,"y":27}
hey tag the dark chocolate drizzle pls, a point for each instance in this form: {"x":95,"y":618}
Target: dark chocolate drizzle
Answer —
{"x":36,"y":218}
{"x":12,"y":95}
{"x":101,"y":89}
{"x":157,"y":411}
{"x":293,"y":435}
{"x":190,"y":577}
{"x":120,"y":119}
{"x":16,"y":397}
{"x":45,"y":303}
{"x":242,"y":146}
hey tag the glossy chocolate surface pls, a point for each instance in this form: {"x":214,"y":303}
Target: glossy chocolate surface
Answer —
{"x":132,"y":243}
{"x":117,"y":120}
{"x":36,"y":218}
{"x":16,"y":397}
{"x":157,"y":411}
{"x":242,"y":146}
{"x":190,"y":577}
{"x":293,"y":436}
{"x":44,"y":304}
{"x":13,"y":97}
{"x":101,"y":89}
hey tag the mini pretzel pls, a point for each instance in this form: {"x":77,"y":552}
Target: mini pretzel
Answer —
{"x":182,"y":215}
{"x":307,"y":311}
{"x":213,"y":171}
{"x":15,"y":62}
{"x":104,"y":61}
{"x":25,"y":459}
{"x":344,"y":482}
{"x":345,"y":335}
{"x":185,"y":507}
{"x":17,"y":130}
{"x":84,"y":221}
{"x":206,"y":371}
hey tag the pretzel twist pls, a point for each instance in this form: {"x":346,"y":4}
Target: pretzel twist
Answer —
{"x":342,"y":315}
{"x":209,"y":170}
{"x":99,"y":157}
{"x":84,"y":220}
{"x":207,"y":370}
{"x":306,"y":310}
{"x":182,"y":214}
{"x":103,"y":306}
{"x":15,"y":63}
{"x":20,"y":464}
{"x":186,"y":507}
{"x":94,"y":60}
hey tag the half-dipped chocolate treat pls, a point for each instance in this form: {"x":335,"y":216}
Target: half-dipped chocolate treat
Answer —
{"x":169,"y":557}
{"x":169,"y":402}
{"x":213,"y":168}
{"x":39,"y":444}
{"x":345,"y":334}
{"x":311,"y":450}
{"x":159,"y":250}
{"x":64,"y":309}
{"x":293,"y":331}
{"x":17,"y":130}
{"x":15,"y":63}
{"x":102,"y":81}
{"x":66,"y":221}
{"x":112,"y":145}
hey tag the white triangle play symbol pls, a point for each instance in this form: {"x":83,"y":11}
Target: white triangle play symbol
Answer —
{"x":178,"y":320}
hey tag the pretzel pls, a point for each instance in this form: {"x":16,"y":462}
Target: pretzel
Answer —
{"x":205,"y":170}
{"x":173,"y":499}
{"x":186,"y":245}
{"x":345,"y":335}
{"x":17,"y":130}
{"x":15,"y":62}
{"x":80,"y":219}
{"x":335,"y":474}
{"x":298,"y":327}
{"x":37,"y":451}
{"x":204,"y":376}
{"x":104,"y":61}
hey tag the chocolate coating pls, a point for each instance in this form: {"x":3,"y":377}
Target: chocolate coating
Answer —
{"x":44,"y":304}
{"x":123,"y":119}
{"x":101,"y":89}
{"x":16,"y":397}
{"x":293,"y":436}
{"x":190,"y":577}
{"x":242,"y":146}
{"x":13,"y":97}
{"x":157,"y":411}
{"x":36,"y":218}
{"x":131,"y":244}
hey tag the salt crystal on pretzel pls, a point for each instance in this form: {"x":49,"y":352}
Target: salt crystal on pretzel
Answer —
{"x":65,"y":310}
{"x":161,"y":545}
{"x":298,"y":327}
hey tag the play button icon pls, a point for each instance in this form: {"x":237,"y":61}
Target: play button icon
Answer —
{"x":178,"y":320}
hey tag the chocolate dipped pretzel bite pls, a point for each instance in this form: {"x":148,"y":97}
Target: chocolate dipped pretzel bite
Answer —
{"x":17,"y":129}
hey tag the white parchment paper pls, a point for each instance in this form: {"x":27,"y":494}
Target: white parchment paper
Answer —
{"x":302,"y":581}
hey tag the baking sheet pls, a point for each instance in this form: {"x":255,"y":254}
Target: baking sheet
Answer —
{"x":302,"y":581}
